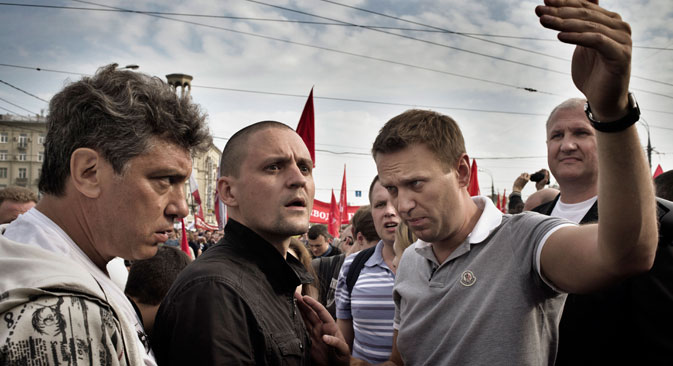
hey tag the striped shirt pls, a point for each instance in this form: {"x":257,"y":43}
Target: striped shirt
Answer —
{"x":370,"y":305}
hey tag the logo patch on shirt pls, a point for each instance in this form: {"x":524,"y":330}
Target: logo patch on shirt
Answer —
{"x":467,"y":279}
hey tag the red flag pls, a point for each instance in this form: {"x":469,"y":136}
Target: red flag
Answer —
{"x":343,"y":196}
{"x":194,"y":187}
{"x":497,"y":203}
{"x":332,"y":219}
{"x":184,"y":245}
{"x":473,"y":186}
{"x":503,"y":205}
{"x":657,"y":171}
{"x":306,"y":126}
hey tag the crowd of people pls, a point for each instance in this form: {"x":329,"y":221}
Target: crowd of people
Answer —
{"x":423,"y":275}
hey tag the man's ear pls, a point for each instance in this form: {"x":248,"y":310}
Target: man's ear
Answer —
{"x":227,"y":191}
{"x":463,"y":170}
{"x":85,"y":171}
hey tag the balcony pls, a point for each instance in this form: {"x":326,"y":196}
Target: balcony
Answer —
{"x":22,"y":145}
{"x":22,"y":182}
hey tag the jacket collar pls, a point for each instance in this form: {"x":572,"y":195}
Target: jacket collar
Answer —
{"x":282,"y":274}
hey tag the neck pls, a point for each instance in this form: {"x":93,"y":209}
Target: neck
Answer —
{"x":575,"y":193}
{"x":388,"y":254}
{"x":443,"y":248}
{"x":70,"y":215}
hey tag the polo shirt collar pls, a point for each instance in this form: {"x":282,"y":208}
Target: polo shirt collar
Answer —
{"x":489,"y":220}
{"x":282,"y":274}
{"x":377,"y":256}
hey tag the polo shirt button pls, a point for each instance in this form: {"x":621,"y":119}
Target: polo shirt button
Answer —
{"x":301,"y":346}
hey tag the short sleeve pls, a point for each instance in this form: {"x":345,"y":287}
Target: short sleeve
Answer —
{"x":343,"y":297}
{"x":53,"y":330}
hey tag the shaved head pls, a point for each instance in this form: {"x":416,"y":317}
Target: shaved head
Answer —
{"x":235,"y":151}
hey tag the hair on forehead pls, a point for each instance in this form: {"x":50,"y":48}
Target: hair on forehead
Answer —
{"x":439,"y":133}
{"x":568,"y":104}
{"x":236,"y":148}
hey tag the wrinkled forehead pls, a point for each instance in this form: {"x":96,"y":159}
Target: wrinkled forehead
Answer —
{"x":278,"y":141}
{"x":567,"y":118}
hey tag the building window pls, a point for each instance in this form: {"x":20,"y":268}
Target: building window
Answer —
{"x":23,"y":140}
{"x":40,"y":156}
{"x":3,"y":172}
{"x":22,"y":173}
{"x":41,"y":139}
{"x":4,"y":137}
{"x":3,"y":154}
{"x":22,"y":157}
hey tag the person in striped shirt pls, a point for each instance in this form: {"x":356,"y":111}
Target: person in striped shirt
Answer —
{"x":365,"y":314}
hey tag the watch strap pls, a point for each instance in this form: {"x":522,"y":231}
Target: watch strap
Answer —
{"x":621,"y":124}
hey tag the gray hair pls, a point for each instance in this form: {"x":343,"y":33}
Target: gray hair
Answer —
{"x":572,"y":103}
{"x":117,"y":113}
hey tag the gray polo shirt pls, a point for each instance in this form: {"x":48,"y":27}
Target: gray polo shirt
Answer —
{"x":487,"y":304}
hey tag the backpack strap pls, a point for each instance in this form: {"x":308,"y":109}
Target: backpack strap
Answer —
{"x":356,"y":267}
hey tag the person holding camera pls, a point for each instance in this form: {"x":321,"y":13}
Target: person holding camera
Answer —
{"x":541,"y":178}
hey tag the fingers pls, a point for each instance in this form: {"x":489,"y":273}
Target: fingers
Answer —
{"x":586,"y":24}
{"x":339,"y":344}
{"x":311,"y":319}
{"x":317,"y":308}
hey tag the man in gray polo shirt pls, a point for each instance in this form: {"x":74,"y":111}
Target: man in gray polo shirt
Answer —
{"x":481,"y":288}
{"x":486,"y":289}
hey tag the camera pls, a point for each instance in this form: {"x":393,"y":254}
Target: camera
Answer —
{"x":536,"y":177}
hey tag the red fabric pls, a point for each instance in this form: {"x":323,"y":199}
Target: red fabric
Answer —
{"x":320,"y":212}
{"x":503,"y":205}
{"x":184,"y":245}
{"x":343,"y":201}
{"x":473,"y":187}
{"x":333,"y":224}
{"x":497,"y":203}
{"x":306,"y":126}
{"x":657,"y":171}
{"x":220,"y":211}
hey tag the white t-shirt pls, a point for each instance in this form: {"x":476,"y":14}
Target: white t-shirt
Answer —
{"x":35,"y":229}
{"x":573,"y":211}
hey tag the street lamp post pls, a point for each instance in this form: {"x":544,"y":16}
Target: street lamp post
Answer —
{"x":492,"y":182}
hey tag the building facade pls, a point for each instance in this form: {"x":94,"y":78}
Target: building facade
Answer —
{"x":205,"y":167}
{"x":21,"y":150}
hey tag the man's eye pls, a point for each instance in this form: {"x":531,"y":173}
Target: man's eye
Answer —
{"x":272,"y":167}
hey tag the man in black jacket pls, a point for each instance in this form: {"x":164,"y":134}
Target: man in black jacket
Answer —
{"x":235,"y":305}
{"x":629,"y":323}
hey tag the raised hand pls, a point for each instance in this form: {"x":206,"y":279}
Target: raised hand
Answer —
{"x":601,"y":65}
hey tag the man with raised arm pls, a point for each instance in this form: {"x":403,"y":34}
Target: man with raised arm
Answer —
{"x":484,"y":288}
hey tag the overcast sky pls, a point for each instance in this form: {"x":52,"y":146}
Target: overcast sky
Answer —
{"x":259,"y":68}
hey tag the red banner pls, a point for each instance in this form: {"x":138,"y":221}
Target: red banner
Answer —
{"x":320,"y":212}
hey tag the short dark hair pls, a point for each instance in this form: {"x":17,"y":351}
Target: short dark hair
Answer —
{"x":150,"y":279}
{"x":18,"y":194}
{"x":439,"y":133}
{"x":234,"y":152}
{"x":363,"y":222}
{"x":117,"y":113}
{"x":663,"y":185}
{"x":316,"y":230}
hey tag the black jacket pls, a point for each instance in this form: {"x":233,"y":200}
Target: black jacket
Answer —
{"x":234,"y":306}
{"x":630,"y":323}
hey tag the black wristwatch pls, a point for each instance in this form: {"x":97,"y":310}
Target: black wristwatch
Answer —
{"x":619,"y":125}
